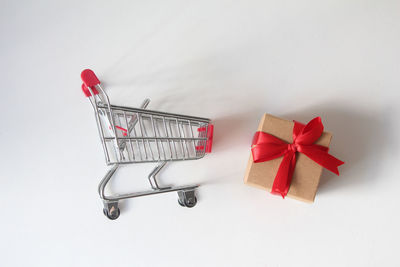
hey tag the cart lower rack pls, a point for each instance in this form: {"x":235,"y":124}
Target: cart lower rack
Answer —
{"x":136,"y":135}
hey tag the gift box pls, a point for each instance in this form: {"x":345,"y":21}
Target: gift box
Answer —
{"x":288,"y":157}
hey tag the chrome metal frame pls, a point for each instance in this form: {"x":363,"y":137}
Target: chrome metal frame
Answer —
{"x":148,"y":136}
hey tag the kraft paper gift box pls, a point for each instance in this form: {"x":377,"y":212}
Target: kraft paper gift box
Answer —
{"x":306,"y":174}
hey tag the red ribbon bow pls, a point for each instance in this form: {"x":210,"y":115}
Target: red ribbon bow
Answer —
{"x":266,"y":147}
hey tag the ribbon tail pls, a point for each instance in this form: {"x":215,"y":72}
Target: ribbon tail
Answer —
{"x":284,"y":175}
{"x":323,"y":158}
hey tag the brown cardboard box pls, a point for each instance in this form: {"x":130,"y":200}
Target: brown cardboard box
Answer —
{"x":307,"y":172}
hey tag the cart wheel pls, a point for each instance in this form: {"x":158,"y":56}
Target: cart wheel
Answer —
{"x":180,"y":203}
{"x":191,"y":202}
{"x":187,"y":199}
{"x":112,"y":215}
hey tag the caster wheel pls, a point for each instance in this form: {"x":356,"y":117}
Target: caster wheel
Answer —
{"x":112,"y":215}
{"x":180,"y":203}
{"x":189,"y":203}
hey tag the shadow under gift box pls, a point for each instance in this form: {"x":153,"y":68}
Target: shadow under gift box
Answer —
{"x":307,"y":172}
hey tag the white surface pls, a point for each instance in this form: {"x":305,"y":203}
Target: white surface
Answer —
{"x":227,"y":60}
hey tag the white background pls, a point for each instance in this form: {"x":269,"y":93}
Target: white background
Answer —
{"x":230,"y":61}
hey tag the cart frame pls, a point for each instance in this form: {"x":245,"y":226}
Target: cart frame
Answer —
{"x":139,"y":142}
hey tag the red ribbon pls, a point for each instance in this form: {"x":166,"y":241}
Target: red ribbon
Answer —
{"x":266,"y":147}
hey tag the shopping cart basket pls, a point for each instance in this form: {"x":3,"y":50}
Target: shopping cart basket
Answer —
{"x":137,"y":135}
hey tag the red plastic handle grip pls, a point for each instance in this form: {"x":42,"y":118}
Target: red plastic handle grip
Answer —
{"x":89,"y":78}
{"x":87,"y":92}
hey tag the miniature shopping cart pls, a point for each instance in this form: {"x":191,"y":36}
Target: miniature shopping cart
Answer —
{"x":137,"y":135}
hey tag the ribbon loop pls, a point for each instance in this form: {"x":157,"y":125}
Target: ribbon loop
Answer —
{"x":266,"y":147}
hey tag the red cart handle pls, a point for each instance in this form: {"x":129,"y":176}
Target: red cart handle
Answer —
{"x":87,"y":92}
{"x":89,"y":80}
